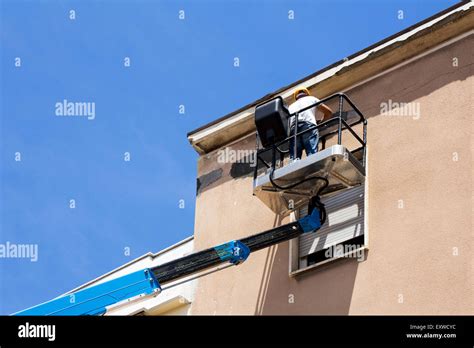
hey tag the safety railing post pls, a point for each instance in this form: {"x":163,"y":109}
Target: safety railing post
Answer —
{"x":364,"y":137}
{"x":274,"y":156}
{"x":295,"y":143}
{"x":255,"y":173}
{"x":339,"y":129}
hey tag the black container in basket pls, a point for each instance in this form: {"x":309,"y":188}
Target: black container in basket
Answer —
{"x":271,"y":120}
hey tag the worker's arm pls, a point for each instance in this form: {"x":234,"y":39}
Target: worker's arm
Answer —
{"x":326,"y":110}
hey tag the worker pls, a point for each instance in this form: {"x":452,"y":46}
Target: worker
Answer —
{"x":306,"y":119}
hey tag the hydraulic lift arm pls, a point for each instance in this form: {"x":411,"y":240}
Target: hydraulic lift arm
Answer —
{"x":95,"y":300}
{"x":234,"y":251}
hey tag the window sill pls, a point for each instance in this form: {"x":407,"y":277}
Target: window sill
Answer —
{"x":317,"y":265}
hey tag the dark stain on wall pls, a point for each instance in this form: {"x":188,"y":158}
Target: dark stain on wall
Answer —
{"x":207,"y":179}
{"x":241,"y":169}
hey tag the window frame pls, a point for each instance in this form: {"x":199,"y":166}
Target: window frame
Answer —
{"x":294,"y":258}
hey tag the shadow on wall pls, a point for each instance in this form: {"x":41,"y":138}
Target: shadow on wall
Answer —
{"x":325,"y":290}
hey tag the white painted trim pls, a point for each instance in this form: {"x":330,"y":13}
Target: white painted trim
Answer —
{"x":143,"y":304}
{"x":403,"y":37}
{"x":411,"y":60}
{"x":233,"y":142}
{"x":169,"y":305}
{"x":217,"y":127}
{"x":122,"y":305}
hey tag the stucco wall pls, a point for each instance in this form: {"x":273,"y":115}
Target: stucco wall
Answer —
{"x":420,"y":258}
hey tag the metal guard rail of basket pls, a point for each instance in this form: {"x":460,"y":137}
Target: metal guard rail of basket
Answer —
{"x":341,"y":125}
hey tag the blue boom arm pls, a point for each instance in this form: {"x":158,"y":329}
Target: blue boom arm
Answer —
{"x":95,"y":300}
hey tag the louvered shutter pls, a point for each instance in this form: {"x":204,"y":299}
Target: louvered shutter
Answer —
{"x":345,"y":221}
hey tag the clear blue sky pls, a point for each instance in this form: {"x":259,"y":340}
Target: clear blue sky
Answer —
{"x":135,"y":204}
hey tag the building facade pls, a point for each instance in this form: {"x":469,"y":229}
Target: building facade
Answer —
{"x":414,"y":211}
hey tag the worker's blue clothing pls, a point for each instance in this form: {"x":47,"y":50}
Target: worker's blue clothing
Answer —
{"x":308,"y":141}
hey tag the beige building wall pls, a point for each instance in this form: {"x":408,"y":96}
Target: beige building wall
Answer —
{"x":420,"y":256}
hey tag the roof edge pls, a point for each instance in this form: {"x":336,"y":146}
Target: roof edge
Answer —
{"x":338,"y":63}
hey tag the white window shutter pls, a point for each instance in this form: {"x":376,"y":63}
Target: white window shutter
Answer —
{"x":345,"y":221}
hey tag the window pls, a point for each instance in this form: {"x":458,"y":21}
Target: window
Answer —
{"x":341,"y":236}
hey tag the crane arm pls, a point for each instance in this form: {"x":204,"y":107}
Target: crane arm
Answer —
{"x":95,"y":300}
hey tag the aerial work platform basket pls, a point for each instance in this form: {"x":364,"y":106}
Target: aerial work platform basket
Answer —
{"x":285,"y":185}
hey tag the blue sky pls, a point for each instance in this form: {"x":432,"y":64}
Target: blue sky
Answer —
{"x":135,"y":204}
